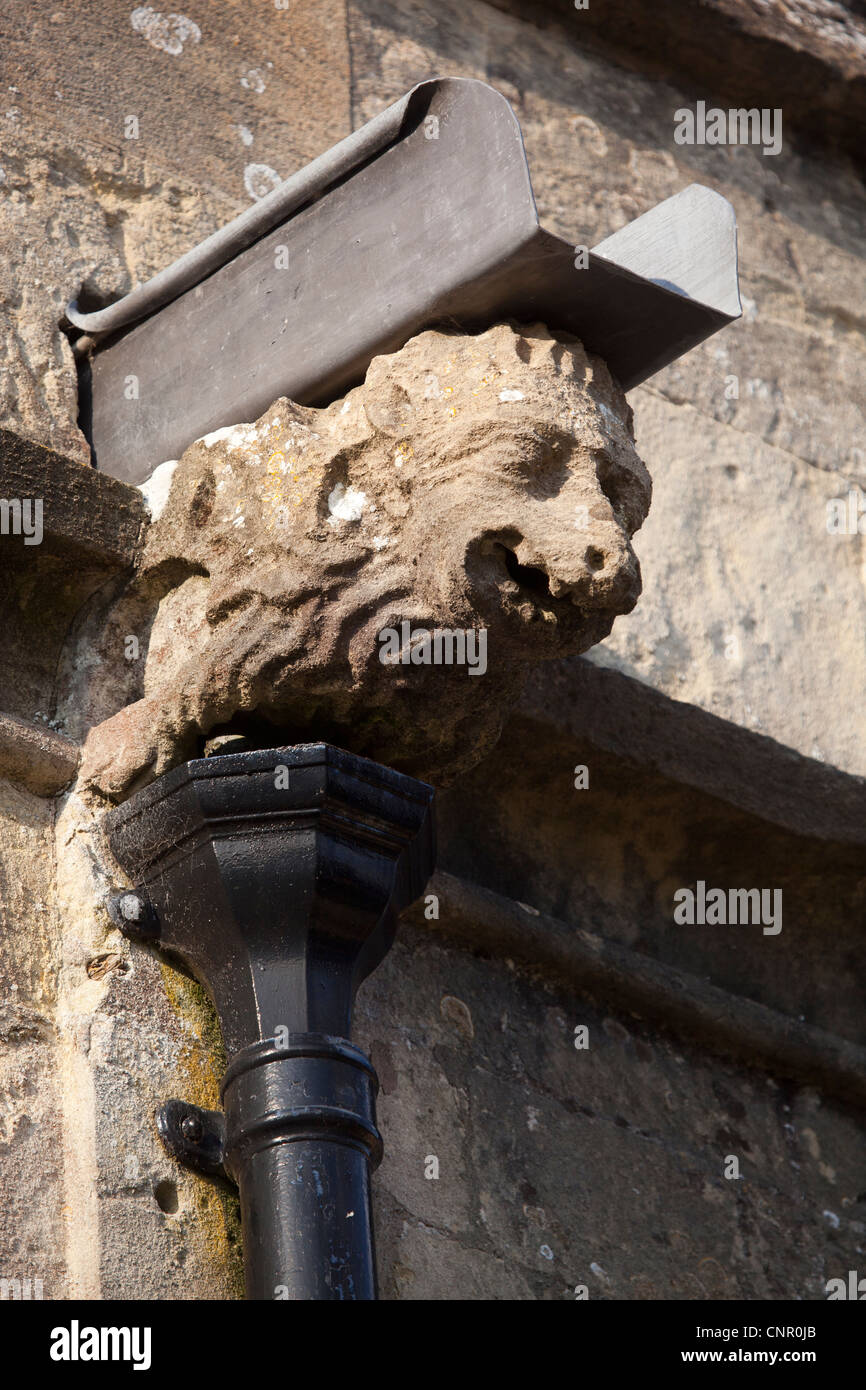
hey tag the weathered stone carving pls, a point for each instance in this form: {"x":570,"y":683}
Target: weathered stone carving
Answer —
{"x":472,"y":482}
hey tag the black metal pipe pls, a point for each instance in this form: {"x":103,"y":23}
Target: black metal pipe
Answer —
{"x":301,"y":1141}
{"x":281,"y":894}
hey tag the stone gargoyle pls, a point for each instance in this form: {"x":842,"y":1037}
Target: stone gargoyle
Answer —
{"x":484,"y":485}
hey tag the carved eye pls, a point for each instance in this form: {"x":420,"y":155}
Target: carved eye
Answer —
{"x":626,"y":485}
{"x":540,"y":460}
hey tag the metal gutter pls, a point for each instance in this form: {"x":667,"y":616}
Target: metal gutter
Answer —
{"x":424,"y":218}
{"x":301,"y":188}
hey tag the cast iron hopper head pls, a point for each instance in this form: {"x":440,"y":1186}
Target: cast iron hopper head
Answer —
{"x":276,"y":877}
{"x":424,"y":217}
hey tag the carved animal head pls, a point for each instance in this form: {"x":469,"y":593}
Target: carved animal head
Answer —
{"x":471,"y":483}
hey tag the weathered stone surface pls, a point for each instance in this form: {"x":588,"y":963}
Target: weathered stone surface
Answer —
{"x":32,"y":1233}
{"x":602,"y":1167}
{"x":767,"y":631}
{"x":596,"y":703}
{"x":80,"y":204}
{"x":34,"y":757}
{"x":482,"y":483}
{"x":609,"y":856}
{"x":83,"y":513}
{"x":807,"y":56}
{"x":601,"y":151}
{"x":130,"y":1034}
{"x":85,"y":531}
{"x":125,"y":144}
{"x":677,"y":1002}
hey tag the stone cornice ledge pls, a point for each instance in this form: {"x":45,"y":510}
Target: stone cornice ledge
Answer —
{"x":84,"y":512}
{"x":604,"y":707}
{"x":677,"y":1002}
{"x":35,"y":757}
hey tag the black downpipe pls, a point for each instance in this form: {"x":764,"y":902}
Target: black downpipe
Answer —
{"x":276,"y":877}
{"x":303,"y":1169}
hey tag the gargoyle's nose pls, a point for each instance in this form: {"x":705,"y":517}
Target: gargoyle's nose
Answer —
{"x":572,"y":578}
{"x":602,"y":572}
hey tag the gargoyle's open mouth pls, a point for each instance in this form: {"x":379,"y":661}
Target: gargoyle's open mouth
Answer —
{"x":530,"y":578}
{"x":533,"y":583}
